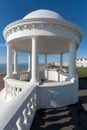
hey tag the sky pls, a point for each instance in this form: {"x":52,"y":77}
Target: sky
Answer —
{"x":72,"y":10}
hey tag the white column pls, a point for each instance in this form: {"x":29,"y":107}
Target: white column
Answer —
{"x":9,"y":60}
{"x":72,"y":61}
{"x":45,"y":61}
{"x":15,"y":62}
{"x":35,"y":64}
{"x":61,"y":60}
{"x":29,"y":62}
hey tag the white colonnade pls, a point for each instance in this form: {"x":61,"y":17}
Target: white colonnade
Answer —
{"x":35,"y":70}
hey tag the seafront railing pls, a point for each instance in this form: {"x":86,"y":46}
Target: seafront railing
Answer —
{"x":19,"y":113}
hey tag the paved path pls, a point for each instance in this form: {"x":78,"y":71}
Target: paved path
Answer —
{"x":72,"y":117}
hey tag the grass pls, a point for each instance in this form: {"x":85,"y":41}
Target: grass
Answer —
{"x":82,"y":73}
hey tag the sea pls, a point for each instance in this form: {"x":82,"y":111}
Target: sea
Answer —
{"x":21,"y":66}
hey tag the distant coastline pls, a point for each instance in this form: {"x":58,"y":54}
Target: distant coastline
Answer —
{"x":21,"y":66}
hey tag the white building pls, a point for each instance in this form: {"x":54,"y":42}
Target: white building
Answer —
{"x":81,"y":62}
{"x":40,"y":32}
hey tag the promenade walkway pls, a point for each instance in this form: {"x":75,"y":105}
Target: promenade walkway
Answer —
{"x":72,"y":117}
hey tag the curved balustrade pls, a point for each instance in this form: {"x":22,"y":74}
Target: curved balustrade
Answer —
{"x":53,"y":74}
{"x":26,"y":76}
{"x":20,"y":111}
{"x":49,"y":74}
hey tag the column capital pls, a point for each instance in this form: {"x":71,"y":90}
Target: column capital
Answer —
{"x":73,"y":43}
{"x":35,"y":37}
{"x":9,"y":44}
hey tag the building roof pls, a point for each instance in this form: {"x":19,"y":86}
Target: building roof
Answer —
{"x":54,"y":34}
{"x":43,"y":14}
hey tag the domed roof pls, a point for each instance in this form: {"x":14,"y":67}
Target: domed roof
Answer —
{"x":43,"y":14}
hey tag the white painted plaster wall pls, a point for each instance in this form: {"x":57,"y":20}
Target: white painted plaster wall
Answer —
{"x":52,"y":74}
{"x":54,"y":95}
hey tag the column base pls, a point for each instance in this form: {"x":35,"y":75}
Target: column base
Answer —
{"x":34,"y":81}
{"x":14,"y":72}
{"x":28,"y":70}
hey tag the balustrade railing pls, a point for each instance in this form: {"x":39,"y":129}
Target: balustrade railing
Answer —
{"x":13,"y":88}
{"x":21,"y":111}
{"x":24,"y":75}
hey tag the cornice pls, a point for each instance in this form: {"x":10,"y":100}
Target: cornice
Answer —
{"x":22,"y":25}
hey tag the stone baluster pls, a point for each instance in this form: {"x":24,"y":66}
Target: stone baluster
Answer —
{"x":34,"y":101}
{"x":31,"y":106}
{"x":25,"y":113}
{"x":29,"y":113}
{"x":18,"y":90}
{"x":9,"y":88}
{"x":14,"y":91}
{"x":19,"y":122}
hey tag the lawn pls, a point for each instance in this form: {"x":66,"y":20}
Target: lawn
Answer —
{"x":82,"y":72}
